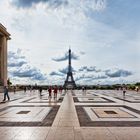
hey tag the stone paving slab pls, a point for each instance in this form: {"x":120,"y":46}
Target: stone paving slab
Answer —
{"x":86,"y":121}
{"x":92,"y":100}
{"x":24,"y":120}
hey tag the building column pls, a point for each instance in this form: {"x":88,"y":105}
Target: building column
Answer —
{"x":3,"y":61}
{"x":4,"y":37}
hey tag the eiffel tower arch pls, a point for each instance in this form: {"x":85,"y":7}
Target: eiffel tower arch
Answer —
{"x":69,"y":82}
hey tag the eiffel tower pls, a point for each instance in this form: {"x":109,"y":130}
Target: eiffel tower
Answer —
{"x":69,"y":82}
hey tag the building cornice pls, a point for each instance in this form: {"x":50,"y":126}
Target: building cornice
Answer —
{"x":4,"y":32}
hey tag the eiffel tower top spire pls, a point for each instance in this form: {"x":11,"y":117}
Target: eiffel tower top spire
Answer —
{"x":69,"y":65}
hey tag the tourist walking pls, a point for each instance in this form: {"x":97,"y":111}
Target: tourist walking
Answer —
{"x":50,"y":91}
{"x":25,"y":89}
{"x":31,"y":88}
{"x":83,"y":88}
{"x":14,"y":89}
{"x":55,"y":92}
{"x":6,"y":93}
{"x":40,"y":91}
{"x":124,"y":91}
{"x":137,"y":89}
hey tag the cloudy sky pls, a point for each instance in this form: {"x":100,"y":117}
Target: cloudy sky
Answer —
{"x":104,"y":36}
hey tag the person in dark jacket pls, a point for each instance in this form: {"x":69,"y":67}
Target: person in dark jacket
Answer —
{"x":55,"y":91}
{"x":124,"y":91}
{"x":6,"y":93}
{"x":40,"y":91}
{"x":25,"y":89}
{"x":50,"y":91}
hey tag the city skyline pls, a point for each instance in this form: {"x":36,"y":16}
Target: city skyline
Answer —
{"x":104,"y":36}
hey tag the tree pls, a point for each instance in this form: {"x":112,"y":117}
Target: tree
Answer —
{"x":9,"y":83}
{"x":138,"y":84}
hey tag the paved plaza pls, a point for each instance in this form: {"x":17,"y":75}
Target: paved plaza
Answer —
{"x":73,"y":115}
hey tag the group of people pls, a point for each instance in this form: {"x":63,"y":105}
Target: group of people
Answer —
{"x":124,"y":89}
{"x":51,"y":90}
{"x":54,"y":90}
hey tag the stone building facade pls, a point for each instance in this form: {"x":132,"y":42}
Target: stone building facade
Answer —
{"x":4,"y":37}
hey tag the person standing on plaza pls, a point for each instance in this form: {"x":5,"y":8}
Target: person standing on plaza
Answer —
{"x":50,"y":92}
{"x":83,"y":89}
{"x":25,"y":89}
{"x":55,"y":92}
{"x":124,"y":91}
{"x":40,"y":91}
{"x":6,"y":93}
{"x":14,"y":89}
{"x":31,"y":88}
{"x":60,"y":89}
{"x":137,"y":89}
